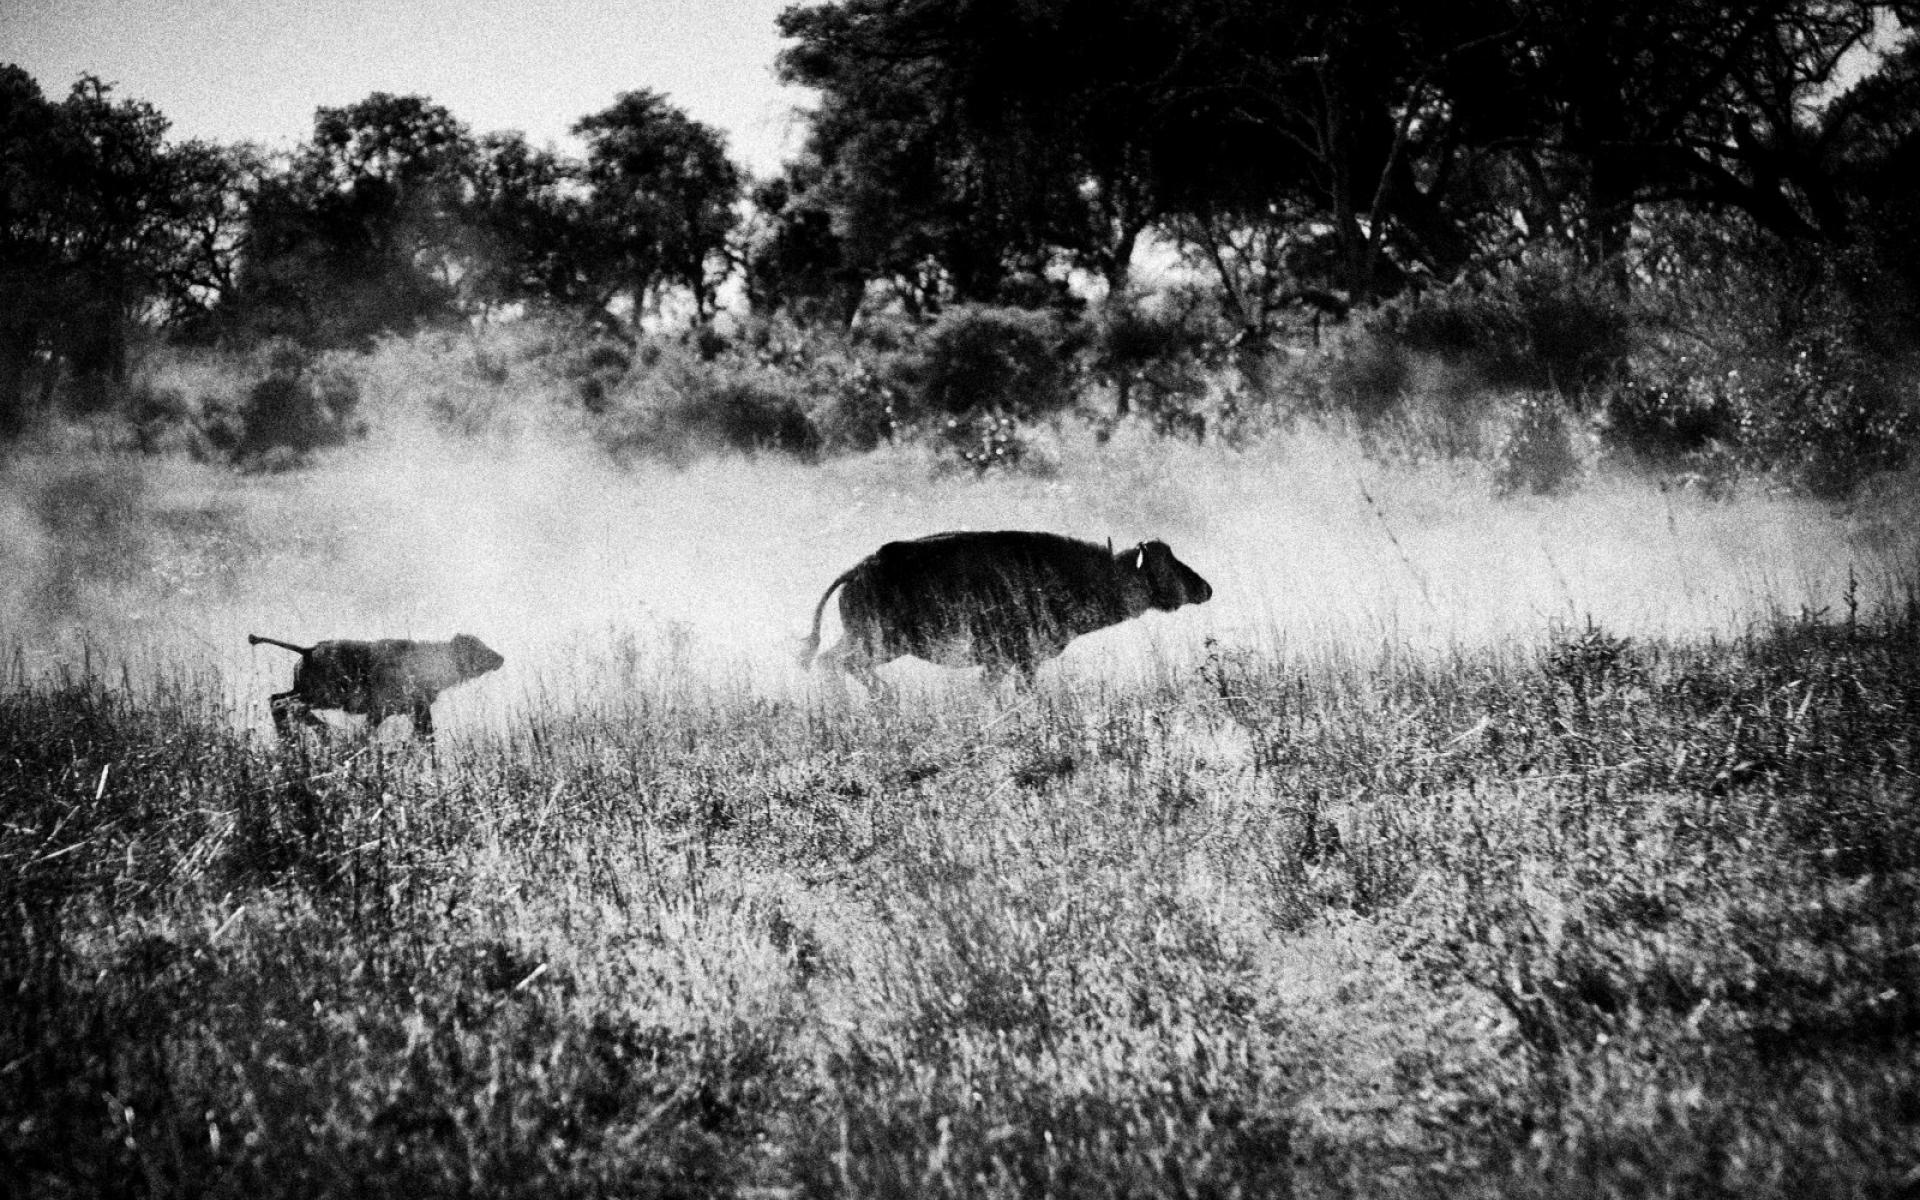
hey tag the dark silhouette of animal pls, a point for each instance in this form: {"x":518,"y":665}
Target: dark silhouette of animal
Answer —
{"x":376,"y":680}
{"x":1007,"y":600}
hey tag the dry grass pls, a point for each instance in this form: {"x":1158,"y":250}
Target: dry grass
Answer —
{"x":1610,"y":916}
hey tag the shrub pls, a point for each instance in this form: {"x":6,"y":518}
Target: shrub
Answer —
{"x":981,"y":371}
{"x":677,"y":406}
{"x":296,"y":410}
{"x":1537,"y":454}
{"x":1817,"y":412}
{"x":849,"y":381}
{"x":1769,"y":358}
{"x":1159,"y":354}
{"x":1006,"y":360}
{"x":1367,"y":374}
{"x":985,"y":442}
{"x":593,"y":369}
{"x":164,"y":421}
{"x":745,"y":413}
{"x":1542,"y":322}
{"x":1665,"y":421}
{"x":1834,"y":418}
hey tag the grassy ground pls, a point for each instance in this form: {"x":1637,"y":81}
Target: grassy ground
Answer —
{"x":1461,"y":846}
{"x":1601,"y":917}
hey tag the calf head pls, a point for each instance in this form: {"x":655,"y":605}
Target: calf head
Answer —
{"x":472,"y":657}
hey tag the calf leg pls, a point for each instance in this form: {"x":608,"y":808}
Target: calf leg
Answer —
{"x":285,"y":706}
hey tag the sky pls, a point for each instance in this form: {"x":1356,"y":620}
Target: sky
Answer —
{"x":255,"y":70}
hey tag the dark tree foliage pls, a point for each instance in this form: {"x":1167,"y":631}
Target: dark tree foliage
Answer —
{"x":1387,"y":140}
{"x":660,"y":202}
{"x":793,"y":258}
{"x":363,"y":234}
{"x":905,"y":175}
{"x":531,"y":237}
{"x":1870,"y":140}
{"x":1703,"y":103}
{"x":102,"y":223}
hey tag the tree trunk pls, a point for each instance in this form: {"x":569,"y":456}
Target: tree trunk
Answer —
{"x":1610,"y":203}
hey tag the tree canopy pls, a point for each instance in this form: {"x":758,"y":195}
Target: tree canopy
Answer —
{"x":960,"y":140}
{"x":100,"y":219}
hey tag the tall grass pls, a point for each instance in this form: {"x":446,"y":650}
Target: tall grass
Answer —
{"x":1607,"y":914}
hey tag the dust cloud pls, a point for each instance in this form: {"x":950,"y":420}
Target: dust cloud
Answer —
{"x":593,"y":579}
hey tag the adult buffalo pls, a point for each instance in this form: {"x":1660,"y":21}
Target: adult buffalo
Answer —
{"x":376,"y":679}
{"x":1006,"y":600}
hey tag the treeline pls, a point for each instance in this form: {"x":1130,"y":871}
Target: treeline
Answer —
{"x":391,"y":217}
{"x":1686,"y":215}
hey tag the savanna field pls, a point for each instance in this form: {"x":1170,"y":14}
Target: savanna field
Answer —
{"x":1469,"y":842}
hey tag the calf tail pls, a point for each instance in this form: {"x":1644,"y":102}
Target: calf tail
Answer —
{"x":811,"y":646}
{"x":254,"y":639}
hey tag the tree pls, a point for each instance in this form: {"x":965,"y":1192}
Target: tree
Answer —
{"x":1706,"y":103}
{"x":363,"y":233}
{"x":917,"y":195}
{"x":531,"y":240}
{"x":1404,"y":139}
{"x":101,"y":223}
{"x":792,"y":258}
{"x":660,"y":202}
{"x":993,"y":134}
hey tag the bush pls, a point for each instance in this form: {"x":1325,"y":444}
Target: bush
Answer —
{"x":676,"y":406}
{"x":983,"y":443}
{"x":1835,"y":417}
{"x":298,"y":409}
{"x":164,"y":421}
{"x":1159,"y":355}
{"x":849,"y":381}
{"x":982,"y":370}
{"x":745,"y":413}
{"x":1006,"y":360}
{"x":1815,"y":411}
{"x":1367,"y":374}
{"x":1666,"y":421}
{"x":1541,"y":323}
{"x":594,"y":369}
{"x":1537,"y":454}
{"x":1767,"y":358}
{"x":1410,"y":407}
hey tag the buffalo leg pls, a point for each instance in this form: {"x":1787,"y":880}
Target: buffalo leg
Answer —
{"x":998,"y":673}
{"x":423,"y":719}
{"x":1018,"y":663}
{"x":857,"y":661}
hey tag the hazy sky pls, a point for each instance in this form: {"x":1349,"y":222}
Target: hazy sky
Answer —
{"x":255,"y":70}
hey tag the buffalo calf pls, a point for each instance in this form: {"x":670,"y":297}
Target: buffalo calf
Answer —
{"x":376,"y":680}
